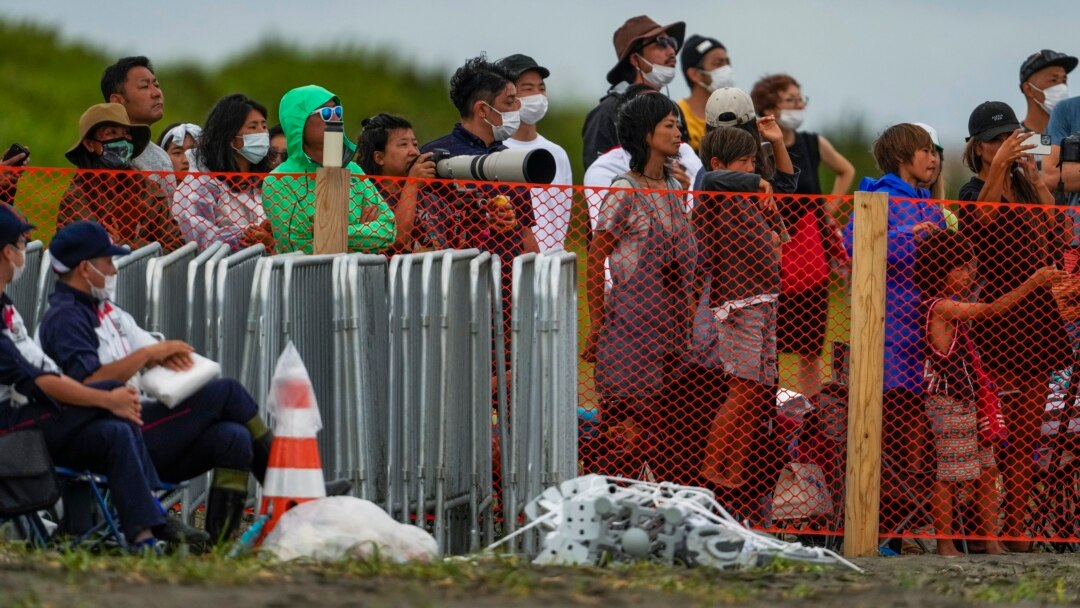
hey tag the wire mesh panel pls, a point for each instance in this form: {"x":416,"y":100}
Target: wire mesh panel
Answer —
{"x":167,"y":292}
{"x":23,"y":292}
{"x":132,"y":280}
{"x":199,"y":281}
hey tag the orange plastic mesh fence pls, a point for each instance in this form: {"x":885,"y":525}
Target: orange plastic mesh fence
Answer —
{"x":714,"y":326}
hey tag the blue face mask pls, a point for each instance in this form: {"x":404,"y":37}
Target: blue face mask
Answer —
{"x":117,"y":153}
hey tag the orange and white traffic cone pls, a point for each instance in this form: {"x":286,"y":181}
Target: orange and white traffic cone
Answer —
{"x":294,"y":473}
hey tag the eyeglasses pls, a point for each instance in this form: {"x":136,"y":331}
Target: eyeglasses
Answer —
{"x":329,"y":114}
{"x":274,"y":155}
{"x":665,"y":42}
{"x":797,"y":100}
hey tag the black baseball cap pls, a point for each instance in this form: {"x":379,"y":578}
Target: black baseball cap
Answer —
{"x":1044,"y":59}
{"x":990,"y":119}
{"x":81,"y":241}
{"x":517,"y":64}
{"x":695,"y":49}
{"x":12,"y":225}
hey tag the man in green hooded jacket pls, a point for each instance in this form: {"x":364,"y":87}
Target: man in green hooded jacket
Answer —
{"x":290,"y":199}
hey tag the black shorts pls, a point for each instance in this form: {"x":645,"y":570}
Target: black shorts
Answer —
{"x":801,"y":320}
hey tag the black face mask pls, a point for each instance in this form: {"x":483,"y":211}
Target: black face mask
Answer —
{"x":117,"y":153}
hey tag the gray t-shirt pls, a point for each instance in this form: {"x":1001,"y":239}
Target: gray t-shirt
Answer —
{"x":155,"y":158}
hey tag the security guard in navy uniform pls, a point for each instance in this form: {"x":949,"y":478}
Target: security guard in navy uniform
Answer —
{"x":93,"y":340}
{"x":85,"y":428}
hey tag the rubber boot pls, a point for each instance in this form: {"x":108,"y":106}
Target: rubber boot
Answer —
{"x":224,"y":510}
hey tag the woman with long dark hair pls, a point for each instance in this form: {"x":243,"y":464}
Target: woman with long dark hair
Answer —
{"x":1022,"y":348}
{"x":640,"y":328}
{"x":228,"y":208}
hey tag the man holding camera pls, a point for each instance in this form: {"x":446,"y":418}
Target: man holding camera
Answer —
{"x":1061,"y":169}
{"x":498,"y":219}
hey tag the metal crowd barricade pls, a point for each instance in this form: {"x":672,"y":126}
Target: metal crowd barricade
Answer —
{"x":167,"y":292}
{"x":542,"y":444}
{"x":558,"y":364}
{"x":42,"y":288}
{"x":24,"y":292}
{"x":131,"y":280}
{"x":486,"y":329}
{"x":361,"y":349}
{"x":199,"y":273}
{"x":292,"y":299}
{"x":519,"y":484}
{"x":405,"y":364}
{"x":229,"y":284}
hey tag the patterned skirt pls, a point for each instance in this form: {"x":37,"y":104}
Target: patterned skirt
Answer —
{"x":956,"y":439}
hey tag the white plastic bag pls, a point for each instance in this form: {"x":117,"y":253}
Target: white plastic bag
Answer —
{"x":172,"y":387}
{"x":801,"y":492}
{"x":341,"y":527}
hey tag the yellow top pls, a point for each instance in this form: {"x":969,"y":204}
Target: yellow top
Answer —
{"x":695,"y":125}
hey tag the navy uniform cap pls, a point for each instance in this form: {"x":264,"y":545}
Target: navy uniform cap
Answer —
{"x":79,"y":242}
{"x":12,"y":225}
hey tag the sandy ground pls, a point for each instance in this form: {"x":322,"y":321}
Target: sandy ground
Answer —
{"x":923,"y":580}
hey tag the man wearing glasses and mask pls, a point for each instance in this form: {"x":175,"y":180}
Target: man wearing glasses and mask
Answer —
{"x":290,"y":199}
{"x":646,"y":54}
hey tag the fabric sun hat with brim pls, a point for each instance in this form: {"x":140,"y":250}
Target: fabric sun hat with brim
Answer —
{"x":933,"y":134}
{"x":1044,"y":59}
{"x":99,"y":114}
{"x":81,"y":241}
{"x":628,"y":38}
{"x":728,"y":107}
{"x":519,"y":64}
{"x":12,"y":225}
{"x":990,"y":119}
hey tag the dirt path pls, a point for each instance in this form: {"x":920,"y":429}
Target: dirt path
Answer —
{"x":901,"y":581}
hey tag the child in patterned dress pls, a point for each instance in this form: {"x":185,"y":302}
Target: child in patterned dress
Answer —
{"x":945,"y":273}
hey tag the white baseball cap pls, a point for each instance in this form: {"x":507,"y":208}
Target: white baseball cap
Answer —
{"x":933,"y":134}
{"x":728,"y":107}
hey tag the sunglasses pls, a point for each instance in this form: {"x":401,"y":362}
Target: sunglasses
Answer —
{"x":665,"y":42}
{"x":329,"y":114}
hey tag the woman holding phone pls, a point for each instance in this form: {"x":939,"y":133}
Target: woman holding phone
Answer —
{"x":1022,"y":348}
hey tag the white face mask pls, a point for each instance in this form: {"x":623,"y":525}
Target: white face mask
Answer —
{"x":722,"y":77}
{"x":510,"y":123}
{"x":660,"y":76}
{"x":533,"y":108}
{"x":1052,"y":96}
{"x":103,"y":293}
{"x":256,"y":145}
{"x":791,"y":119}
{"x":18,"y":270}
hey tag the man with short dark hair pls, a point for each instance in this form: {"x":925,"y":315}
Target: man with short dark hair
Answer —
{"x":1043,"y":81}
{"x":551,"y":206}
{"x":707,"y":68}
{"x":646,"y":55}
{"x":486,"y":99}
{"x":131,"y":83}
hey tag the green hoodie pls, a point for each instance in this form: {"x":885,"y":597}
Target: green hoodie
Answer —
{"x":290,"y":199}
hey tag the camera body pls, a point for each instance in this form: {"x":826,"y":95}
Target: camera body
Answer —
{"x":1070,"y":149}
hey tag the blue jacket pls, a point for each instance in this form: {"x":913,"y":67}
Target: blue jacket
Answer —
{"x":903,"y":325}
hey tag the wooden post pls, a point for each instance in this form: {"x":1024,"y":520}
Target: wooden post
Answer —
{"x":867,"y":362}
{"x":331,"y":210}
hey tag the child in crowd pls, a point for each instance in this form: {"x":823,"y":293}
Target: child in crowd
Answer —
{"x":954,"y":380}
{"x":739,"y":278}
